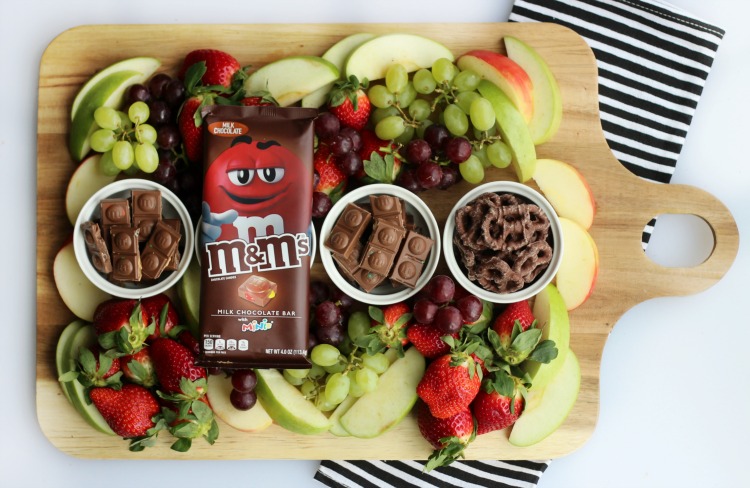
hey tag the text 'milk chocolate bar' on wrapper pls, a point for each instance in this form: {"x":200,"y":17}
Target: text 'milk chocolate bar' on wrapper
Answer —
{"x":255,"y":236}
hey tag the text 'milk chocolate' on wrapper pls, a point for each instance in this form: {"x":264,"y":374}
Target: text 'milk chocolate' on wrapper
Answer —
{"x":255,"y":244}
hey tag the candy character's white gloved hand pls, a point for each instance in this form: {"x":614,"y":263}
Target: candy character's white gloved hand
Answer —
{"x":211,"y":225}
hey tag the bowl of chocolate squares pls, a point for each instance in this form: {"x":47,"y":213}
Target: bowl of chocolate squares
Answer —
{"x":380,"y":244}
{"x":133,"y":238}
{"x":502,"y":241}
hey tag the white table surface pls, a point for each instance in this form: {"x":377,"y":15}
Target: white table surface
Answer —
{"x":675,"y":394}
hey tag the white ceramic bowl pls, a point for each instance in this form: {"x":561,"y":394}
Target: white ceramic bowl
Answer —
{"x":172,"y":208}
{"x":458,"y":271}
{"x":386,"y":293}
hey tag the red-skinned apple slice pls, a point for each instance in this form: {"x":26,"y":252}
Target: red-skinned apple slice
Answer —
{"x":579,"y":267}
{"x":547,"y":100}
{"x":86,"y":180}
{"x":253,"y":420}
{"x":506,"y":74}
{"x":567,"y":190}
{"x":77,"y":292}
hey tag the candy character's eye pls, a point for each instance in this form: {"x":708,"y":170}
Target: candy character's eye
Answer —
{"x":241,"y":177}
{"x":271,"y":175}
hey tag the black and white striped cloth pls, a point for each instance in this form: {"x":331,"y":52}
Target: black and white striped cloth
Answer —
{"x":653,"y":60}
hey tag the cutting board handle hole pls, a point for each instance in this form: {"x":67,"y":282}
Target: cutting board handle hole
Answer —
{"x":680,"y":240}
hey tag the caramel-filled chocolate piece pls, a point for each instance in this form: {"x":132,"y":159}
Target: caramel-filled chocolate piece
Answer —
{"x":174,"y":263}
{"x":348,"y":229}
{"x":159,"y":250}
{"x":126,"y":262}
{"x":96,"y":247}
{"x":147,"y":208}
{"x":367,"y":279}
{"x":258,"y":290}
{"x":389,"y":208}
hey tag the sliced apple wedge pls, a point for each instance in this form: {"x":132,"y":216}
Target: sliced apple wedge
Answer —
{"x":336,"y":428}
{"x":513,"y":128}
{"x":189,"y":293}
{"x":86,"y":180}
{"x":579,"y":266}
{"x":253,"y":420}
{"x":547,"y":408}
{"x":63,"y":360}
{"x":552,"y":315}
{"x":548,"y":109}
{"x":506,"y":74}
{"x":77,"y":292}
{"x":567,"y":191}
{"x":383,"y":408}
{"x":371,"y":60}
{"x":337,"y":55}
{"x":287,"y":406}
{"x":290,"y":79}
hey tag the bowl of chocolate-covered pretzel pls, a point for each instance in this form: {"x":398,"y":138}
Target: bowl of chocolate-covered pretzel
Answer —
{"x":502,"y":241}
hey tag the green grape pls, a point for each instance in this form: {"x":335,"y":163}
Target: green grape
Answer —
{"x":419,"y":109}
{"x":102,"y":140}
{"x":472,"y":170}
{"x":107,"y":118}
{"x":424,"y":82}
{"x":443,"y":70}
{"x":358,"y":325}
{"x":292,"y":380}
{"x":367,"y":379}
{"x":380,"y":113}
{"x":308,"y":388}
{"x":380,"y":96}
{"x":107,"y":165}
{"x":377,"y":362}
{"x":138,"y":112}
{"x":465,"y":99}
{"x":336,"y":367}
{"x":125,"y":122}
{"x":122,"y":155}
{"x":132,"y":170}
{"x":455,"y":120}
{"x":407,"y":95}
{"x":390,"y":127}
{"x":145,"y":133}
{"x":482,"y":114}
{"x":481,"y":154}
{"x":316,"y":372}
{"x":337,"y":388}
{"x":422,"y":127}
{"x":146,"y":157}
{"x":355,"y":389}
{"x":396,"y":78}
{"x":322,"y":404}
{"x":298,"y":373}
{"x":407,"y":135}
{"x":499,"y":154}
{"x":466,"y":81}
{"x":325,"y":355}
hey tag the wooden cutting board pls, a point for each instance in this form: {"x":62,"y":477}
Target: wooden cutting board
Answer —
{"x":625,"y":204}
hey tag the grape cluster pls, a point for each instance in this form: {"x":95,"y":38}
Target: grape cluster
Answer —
{"x":243,"y":395}
{"x":330,"y":308}
{"x":445,"y":307}
{"x":446,"y":129}
{"x":125,"y":140}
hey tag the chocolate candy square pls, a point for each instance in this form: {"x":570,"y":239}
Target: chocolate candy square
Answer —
{"x":126,"y":267}
{"x":388,"y":207}
{"x":386,"y":235}
{"x":258,"y":290}
{"x":96,"y":247}
{"x":367,"y":279}
{"x":417,"y":245}
{"x":124,"y":239}
{"x":348,"y":266}
{"x":377,"y":259}
{"x":159,"y":250}
{"x":407,"y":270}
{"x":174,"y":263}
{"x":147,"y":207}
{"x":348,"y":230}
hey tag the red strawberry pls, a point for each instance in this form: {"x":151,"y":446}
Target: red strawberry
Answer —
{"x":518,"y":311}
{"x":349,"y":103}
{"x":139,"y":368}
{"x":154,"y":307}
{"x":428,"y":340}
{"x":498,"y":404}
{"x":449,"y":436}
{"x":331,"y":177}
{"x":101,"y":369}
{"x":517,"y":320}
{"x":220,"y":66}
{"x":389,"y":327}
{"x":189,"y":122}
{"x":449,"y":384}
{"x":122,"y":324}
{"x":128,"y":411}
{"x":186,"y":339}
{"x":173,"y":362}
{"x":261,"y":99}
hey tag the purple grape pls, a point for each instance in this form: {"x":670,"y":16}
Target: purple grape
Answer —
{"x":168,"y":136}
{"x":458,"y":149}
{"x":407,"y":180}
{"x":418,"y":151}
{"x":355,"y":137}
{"x":327,"y":314}
{"x":424,"y":311}
{"x":436,"y":136}
{"x":350,"y":163}
{"x":441,"y":289}
{"x":243,"y":400}
{"x":333,"y":335}
{"x":165,"y":172}
{"x":340,"y":144}
{"x":244,"y":380}
{"x":174,"y":93}
{"x":321,"y":204}
{"x":312,"y":340}
{"x":448,"y":319}
{"x":214,"y":371}
{"x":160,"y":113}
{"x":342,"y":299}
{"x":319,"y":292}
{"x":137,"y":93}
{"x":428,"y":175}
{"x":450,"y":176}
{"x":157,"y":84}
{"x":470,"y":307}
{"x":326,"y":126}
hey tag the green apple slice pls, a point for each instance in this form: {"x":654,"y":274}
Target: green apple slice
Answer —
{"x":371,"y":60}
{"x":383,"y":408}
{"x":287,"y":406}
{"x":189,"y":293}
{"x":547,"y":408}
{"x":552,"y":315}
{"x":336,"y":428}
{"x":336,"y":54}
{"x":513,"y":128}
{"x":219,"y":387}
{"x":548,"y":110}
{"x":106,"y":89}
{"x":290,"y":79}
{"x":86,"y":180}
{"x":64,"y":362}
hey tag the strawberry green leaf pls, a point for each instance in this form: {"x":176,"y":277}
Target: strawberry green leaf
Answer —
{"x":213,"y":433}
{"x":202,"y":412}
{"x":526,"y":341}
{"x":337,"y":192}
{"x":401,"y":321}
{"x":182,"y":445}
{"x":494,"y":340}
{"x":193,"y":76}
{"x":88,"y":361}
{"x":389,"y":163}
{"x":69,"y":376}
{"x":186,"y":430}
{"x":376,"y":314}
{"x":545,"y":352}
{"x":107,"y":340}
{"x":376,"y":167}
